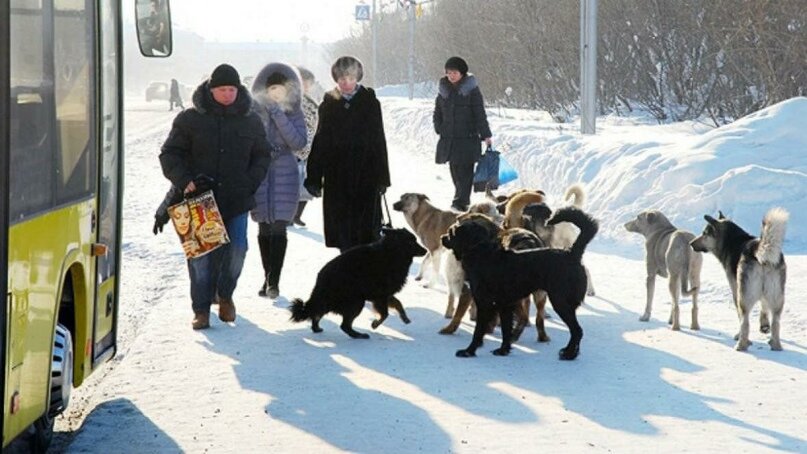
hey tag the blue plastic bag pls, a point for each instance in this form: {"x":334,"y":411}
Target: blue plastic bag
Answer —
{"x":506,"y":172}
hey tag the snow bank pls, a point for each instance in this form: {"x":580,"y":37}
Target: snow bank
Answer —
{"x":684,"y":169}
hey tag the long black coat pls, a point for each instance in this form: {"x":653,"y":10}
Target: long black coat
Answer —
{"x":225,"y":143}
{"x":459,"y":117}
{"x":348,"y":161}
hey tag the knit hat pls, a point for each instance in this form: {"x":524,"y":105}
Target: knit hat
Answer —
{"x":224,"y":74}
{"x":457,"y":64}
{"x":276,"y":79}
{"x":347,"y":66}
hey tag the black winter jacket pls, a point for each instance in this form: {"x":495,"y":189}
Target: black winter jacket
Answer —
{"x":227,"y":143}
{"x":459,"y":117}
{"x":348,"y":162}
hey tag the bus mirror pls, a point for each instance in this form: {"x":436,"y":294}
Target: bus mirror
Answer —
{"x":153,"y":27}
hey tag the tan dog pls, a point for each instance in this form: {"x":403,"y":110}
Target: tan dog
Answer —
{"x":428,"y":222}
{"x":514,"y":208}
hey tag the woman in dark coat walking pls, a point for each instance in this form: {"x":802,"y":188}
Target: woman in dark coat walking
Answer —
{"x":460,"y":120}
{"x":348,"y":161}
{"x":277,"y":90}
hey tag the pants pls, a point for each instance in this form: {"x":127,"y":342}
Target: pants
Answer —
{"x":273,"y":241}
{"x":217,"y":273}
{"x":462,"y":174}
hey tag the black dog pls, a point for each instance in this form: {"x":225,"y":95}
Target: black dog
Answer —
{"x":500,"y":278}
{"x":373,"y":272}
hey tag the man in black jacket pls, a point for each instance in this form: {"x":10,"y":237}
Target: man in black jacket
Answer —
{"x":222,"y":142}
{"x":460,"y":120}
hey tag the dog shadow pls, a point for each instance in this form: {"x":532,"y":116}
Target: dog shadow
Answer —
{"x":313,"y":384}
{"x":592,"y":386}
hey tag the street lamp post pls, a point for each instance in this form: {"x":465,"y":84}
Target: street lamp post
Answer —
{"x":588,"y":66}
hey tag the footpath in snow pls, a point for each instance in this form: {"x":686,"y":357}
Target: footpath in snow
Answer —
{"x":264,"y":384}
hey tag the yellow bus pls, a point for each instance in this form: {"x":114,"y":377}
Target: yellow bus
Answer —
{"x":61,"y":180}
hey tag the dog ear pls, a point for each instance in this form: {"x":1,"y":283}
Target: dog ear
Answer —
{"x":720,"y":215}
{"x":651,"y":217}
{"x":710,"y":219}
{"x":423,"y":197}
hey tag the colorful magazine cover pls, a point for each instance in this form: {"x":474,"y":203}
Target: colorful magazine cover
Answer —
{"x":199,"y":225}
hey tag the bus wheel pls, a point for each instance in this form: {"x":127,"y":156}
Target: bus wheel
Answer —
{"x":61,"y":382}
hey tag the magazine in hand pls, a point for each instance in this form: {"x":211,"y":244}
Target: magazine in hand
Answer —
{"x":199,"y":225}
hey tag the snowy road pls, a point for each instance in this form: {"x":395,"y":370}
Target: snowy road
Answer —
{"x":264,"y":384}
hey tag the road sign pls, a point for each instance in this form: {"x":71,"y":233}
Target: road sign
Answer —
{"x":362,"y":12}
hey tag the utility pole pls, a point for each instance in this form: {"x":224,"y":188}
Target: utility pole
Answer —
{"x":588,"y":66}
{"x":410,"y":11}
{"x":374,"y":32}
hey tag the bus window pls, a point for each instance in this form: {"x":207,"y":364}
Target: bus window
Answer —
{"x":75,"y":167}
{"x":31,"y":112}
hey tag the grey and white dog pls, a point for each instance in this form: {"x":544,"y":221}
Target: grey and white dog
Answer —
{"x":668,"y":254}
{"x":755,"y":268}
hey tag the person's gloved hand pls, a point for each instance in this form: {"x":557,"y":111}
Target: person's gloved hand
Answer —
{"x":160,"y":219}
{"x":382,"y":190}
{"x":202,"y":183}
{"x":313,"y":189}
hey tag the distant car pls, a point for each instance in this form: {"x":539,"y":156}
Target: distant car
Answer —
{"x":157,"y":90}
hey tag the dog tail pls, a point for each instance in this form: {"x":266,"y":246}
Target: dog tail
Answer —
{"x":685,"y":277}
{"x":772,"y":237}
{"x":576,"y":190}
{"x":299,"y":310}
{"x":588,"y":227}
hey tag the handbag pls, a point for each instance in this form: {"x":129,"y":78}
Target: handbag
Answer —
{"x":486,"y":174}
{"x":507,"y":172}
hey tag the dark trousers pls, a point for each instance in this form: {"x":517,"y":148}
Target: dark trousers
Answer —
{"x":462,"y":174}
{"x":272,"y":241}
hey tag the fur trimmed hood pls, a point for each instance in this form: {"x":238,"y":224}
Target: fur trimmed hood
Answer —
{"x":203,"y":101}
{"x":464,"y":87}
{"x":293,"y":86}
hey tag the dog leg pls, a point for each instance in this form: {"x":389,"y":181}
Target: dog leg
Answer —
{"x":381,"y":308}
{"x":426,"y":259}
{"x":674,"y":286}
{"x":395,"y":303}
{"x":742,"y":337}
{"x":540,"y":305}
{"x":589,"y":285}
{"x":349,"y":316}
{"x":506,"y":316}
{"x":485,"y":315}
{"x":650,"y":283}
{"x":522,"y":317}
{"x":315,"y":324}
{"x":776,"y":312}
{"x":462,"y":306}
{"x":450,"y":306}
{"x":567,"y":314}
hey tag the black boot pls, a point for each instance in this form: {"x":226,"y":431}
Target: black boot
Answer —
{"x":265,"y":245}
{"x":300,"y":208}
{"x":277,"y":254}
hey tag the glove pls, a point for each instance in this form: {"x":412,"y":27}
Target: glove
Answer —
{"x":203,"y":184}
{"x":313,"y":189}
{"x":160,"y":219}
{"x":382,"y":190}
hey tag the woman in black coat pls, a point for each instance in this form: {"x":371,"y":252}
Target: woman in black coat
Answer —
{"x":348,"y":161}
{"x":460,"y":120}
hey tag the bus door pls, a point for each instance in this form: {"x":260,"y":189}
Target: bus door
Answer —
{"x":110,"y":181}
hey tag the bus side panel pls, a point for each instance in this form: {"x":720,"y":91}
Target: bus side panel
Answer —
{"x":41,"y":251}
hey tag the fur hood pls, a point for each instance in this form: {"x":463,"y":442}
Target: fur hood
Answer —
{"x":293,"y":86}
{"x":464,"y":87}
{"x":203,"y":101}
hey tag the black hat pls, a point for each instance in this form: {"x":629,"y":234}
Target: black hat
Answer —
{"x":347,"y":65}
{"x":457,"y":64}
{"x":224,"y":74}
{"x":276,"y":79}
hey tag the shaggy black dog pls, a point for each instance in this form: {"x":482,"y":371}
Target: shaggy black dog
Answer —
{"x":500,"y":278}
{"x":373,"y":272}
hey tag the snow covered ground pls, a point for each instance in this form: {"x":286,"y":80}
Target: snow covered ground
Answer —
{"x":264,"y":384}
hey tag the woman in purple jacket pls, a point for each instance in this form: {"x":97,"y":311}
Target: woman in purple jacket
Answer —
{"x":277,"y":92}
